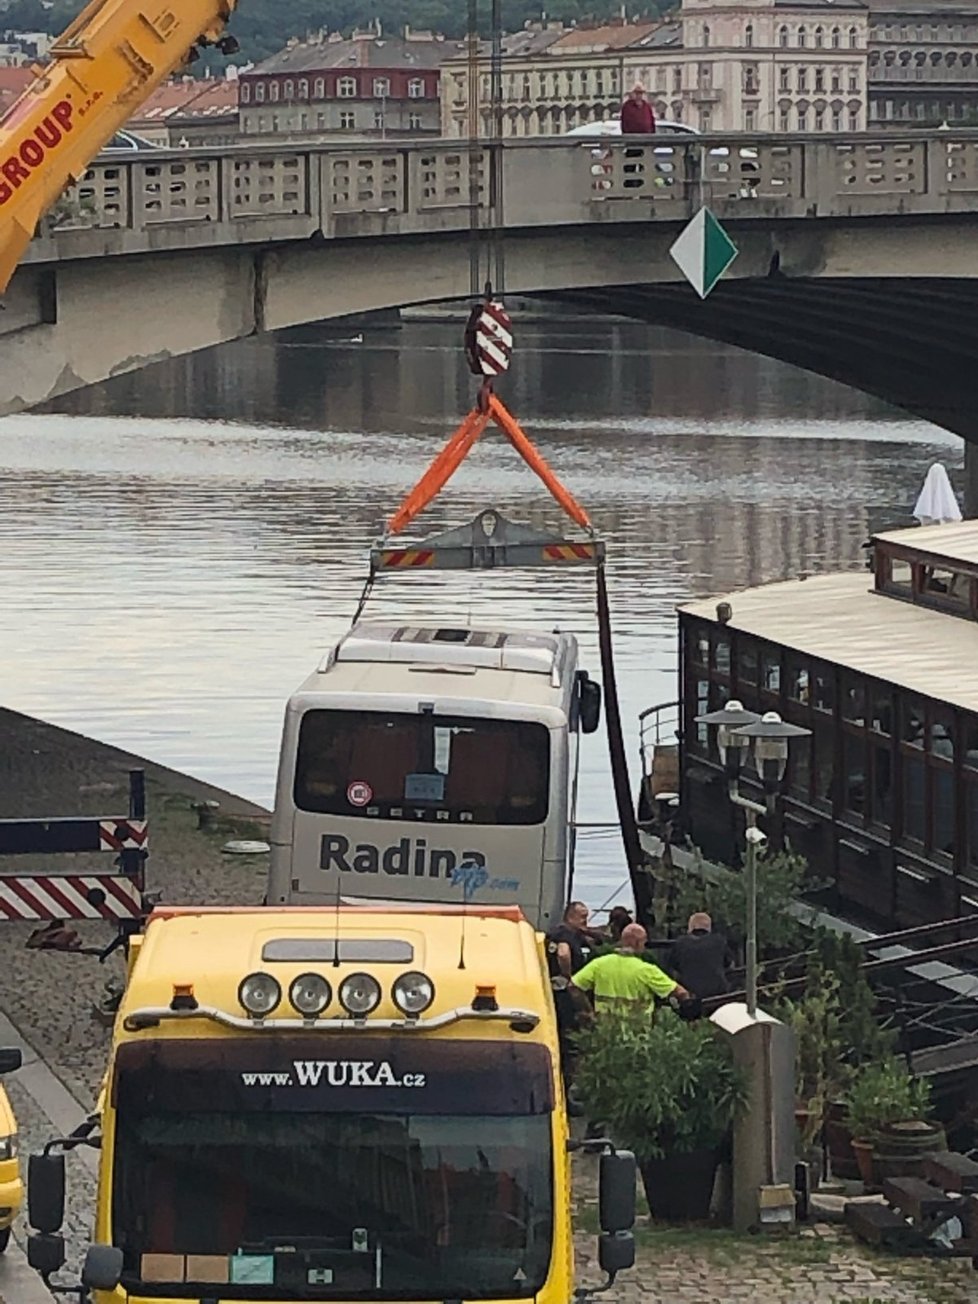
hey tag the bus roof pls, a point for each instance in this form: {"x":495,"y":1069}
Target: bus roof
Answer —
{"x":432,"y":662}
{"x":839,"y":618}
{"x":459,"y":948}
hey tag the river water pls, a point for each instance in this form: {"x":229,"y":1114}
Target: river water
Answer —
{"x":178,"y":547}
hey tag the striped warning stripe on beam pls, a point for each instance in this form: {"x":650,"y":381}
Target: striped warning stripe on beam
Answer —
{"x":407,"y":558}
{"x":122,"y":835}
{"x":75,"y":896}
{"x":568,"y":552}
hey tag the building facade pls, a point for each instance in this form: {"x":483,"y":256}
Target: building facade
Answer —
{"x":369,"y":85}
{"x":923,"y":63}
{"x":741,"y":65}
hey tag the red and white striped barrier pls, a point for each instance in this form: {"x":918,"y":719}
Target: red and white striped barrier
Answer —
{"x":69,"y":896}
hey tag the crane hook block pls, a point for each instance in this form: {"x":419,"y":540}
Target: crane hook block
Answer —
{"x":489,"y":339}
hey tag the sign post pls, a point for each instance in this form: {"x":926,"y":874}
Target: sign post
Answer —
{"x":703,"y":252}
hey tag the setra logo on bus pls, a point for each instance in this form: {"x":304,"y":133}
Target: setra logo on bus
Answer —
{"x":403,"y":857}
{"x":32,"y":152}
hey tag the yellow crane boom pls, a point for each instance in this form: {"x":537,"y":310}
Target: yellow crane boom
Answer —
{"x":107,"y":63}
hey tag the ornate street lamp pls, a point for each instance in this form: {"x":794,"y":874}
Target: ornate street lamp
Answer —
{"x":738,"y":731}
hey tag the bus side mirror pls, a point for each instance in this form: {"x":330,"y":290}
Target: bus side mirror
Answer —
{"x":10,"y":1059}
{"x":616,"y":1191}
{"x":46,"y":1192}
{"x":589,"y":703}
{"x":102,"y":1269}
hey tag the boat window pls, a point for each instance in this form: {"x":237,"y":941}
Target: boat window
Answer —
{"x":912,"y":722}
{"x":854,"y":700}
{"x":971,"y":742}
{"x":914,"y":798}
{"x":824,"y":761}
{"x":420,"y":767}
{"x":746,"y":661}
{"x":800,"y":767}
{"x":941,"y":734}
{"x":799,"y":679}
{"x":971,"y":798}
{"x":824,"y":694}
{"x":882,"y":715}
{"x":700,"y":643}
{"x":882,"y":794}
{"x":771,"y":670}
{"x":941,"y":587}
{"x":944,"y":812}
{"x":721,"y":654}
{"x":854,"y":769}
{"x":897,"y":576}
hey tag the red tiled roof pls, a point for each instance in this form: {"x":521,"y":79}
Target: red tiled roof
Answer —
{"x":189,"y":99}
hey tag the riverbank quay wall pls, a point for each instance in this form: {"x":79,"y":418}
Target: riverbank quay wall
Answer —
{"x":854,"y":253}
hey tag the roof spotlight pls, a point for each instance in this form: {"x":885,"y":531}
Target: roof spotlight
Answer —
{"x":259,"y":994}
{"x":309,"y":994}
{"x":359,"y":994}
{"x":412,"y":993}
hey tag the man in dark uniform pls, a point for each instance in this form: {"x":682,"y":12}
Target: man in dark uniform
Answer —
{"x":569,"y":948}
{"x":700,"y":960}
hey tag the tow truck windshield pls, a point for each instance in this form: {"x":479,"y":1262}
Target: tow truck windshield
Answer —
{"x":334,"y":1206}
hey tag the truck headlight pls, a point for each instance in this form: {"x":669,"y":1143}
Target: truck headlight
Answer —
{"x":413,"y":993}
{"x":309,"y":994}
{"x":259,"y":994}
{"x":8,"y":1147}
{"x":359,"y":994}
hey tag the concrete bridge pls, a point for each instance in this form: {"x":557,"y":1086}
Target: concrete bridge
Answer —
{"x":857,"y":253}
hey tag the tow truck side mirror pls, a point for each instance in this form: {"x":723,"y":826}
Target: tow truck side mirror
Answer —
{"x":10,"y":1059}
{"x":616,"y":1212}
{"x":589,"y":702}
{"x":46,"y":1253}
{"x":102,"y":1269}
{"x":46,"y":1192}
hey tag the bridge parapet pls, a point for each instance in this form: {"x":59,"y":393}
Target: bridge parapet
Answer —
{"x":186,"y":198}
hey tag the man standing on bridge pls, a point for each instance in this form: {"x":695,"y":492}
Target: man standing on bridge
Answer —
{"x":637,"y":118}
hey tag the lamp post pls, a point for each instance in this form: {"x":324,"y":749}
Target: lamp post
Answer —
{"x":737,"y":730}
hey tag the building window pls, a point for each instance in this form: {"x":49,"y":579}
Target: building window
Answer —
{"x":749,"y":35}
{"x":382,"y":88}
{"x":802,"y":119}
{"x":347,"y":121}
{"x":416,"y":88}
{"x":414,"y":121}
{"x":319,"y":88}
{"x":705,"y":76}
{"x":784,"y":120}
{"x":819,"y":119}
{"x":245,"y":93}
{"x":853,"y":79}
{"x":819,"y":38}
{"x":290,"y":90}
{"x":751,"y":75}
{"x":378,"y":120}
{"x":304,"y":89}
{"x":784,"y":79}
{"x":853,"y":38}
{"x":260,"y":93}
{"x":853,"y":119}
{"x":836,"y":38}
{"x":783,"y":37}
{"x":677,"y":80}
{"x":802,"y":38}
{"x":750,"y":120}
{"x":820,"y":81}
{"x":836,"y":82}
{"x":803,"y":79}
{"x":346,"y":88}
{"x":836,"y":121}
{"x":706,"y":34}
{"x":273,"y":92}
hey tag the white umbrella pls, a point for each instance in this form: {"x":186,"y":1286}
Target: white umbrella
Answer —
{"x":937,"y":503}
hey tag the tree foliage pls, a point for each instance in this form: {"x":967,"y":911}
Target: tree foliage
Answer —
{"x":264,"y":26}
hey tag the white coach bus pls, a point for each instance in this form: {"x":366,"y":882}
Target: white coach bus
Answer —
{"x":433,"y":764}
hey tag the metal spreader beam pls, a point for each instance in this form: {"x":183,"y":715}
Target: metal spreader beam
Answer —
{"x":488,"y":542}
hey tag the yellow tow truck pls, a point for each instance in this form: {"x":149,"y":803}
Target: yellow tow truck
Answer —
{"x":332,"y":1104}
{"x":11,"y":1187}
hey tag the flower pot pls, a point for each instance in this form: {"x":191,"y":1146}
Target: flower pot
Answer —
{"x":863,"y":1151}
{"x":900,"y":1148}
{"x":679,"y":1187}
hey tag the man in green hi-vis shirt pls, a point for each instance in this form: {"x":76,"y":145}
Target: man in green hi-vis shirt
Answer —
{"x":623,"y":975}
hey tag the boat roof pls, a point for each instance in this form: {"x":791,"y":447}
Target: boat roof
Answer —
{"x":840,"y":618}
{"x":957,"y":542}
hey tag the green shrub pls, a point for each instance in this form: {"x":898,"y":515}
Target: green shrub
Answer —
{"x":660,"y":1086}
{"x":884,"y":1093}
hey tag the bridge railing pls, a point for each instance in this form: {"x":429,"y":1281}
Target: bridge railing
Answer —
{"x":252,"y":194}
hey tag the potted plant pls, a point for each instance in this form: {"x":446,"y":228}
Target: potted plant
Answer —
{"x":888,"y":1110}
{"x":821,"y":1074}
{"x":668,"y":1091}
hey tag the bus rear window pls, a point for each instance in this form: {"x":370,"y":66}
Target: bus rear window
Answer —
{"x":423,"y":767}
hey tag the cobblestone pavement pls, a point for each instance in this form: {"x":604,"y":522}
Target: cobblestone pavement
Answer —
{"x":812,"y":1265}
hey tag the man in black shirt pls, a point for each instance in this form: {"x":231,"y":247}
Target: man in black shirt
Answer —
{"x":700,"y":960}
{"x":569,"y":947}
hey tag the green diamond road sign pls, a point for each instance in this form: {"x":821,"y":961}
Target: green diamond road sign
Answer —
{"x":703,"y":252}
